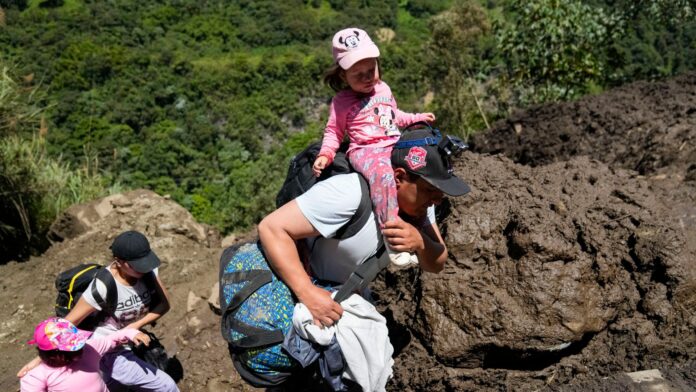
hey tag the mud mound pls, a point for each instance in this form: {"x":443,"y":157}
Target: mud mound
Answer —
{"x":647,"y":127}
{"x":558,"y":274}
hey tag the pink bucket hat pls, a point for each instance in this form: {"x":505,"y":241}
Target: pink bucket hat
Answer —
{"x":352,"y":45}
{"x":59,"y":334}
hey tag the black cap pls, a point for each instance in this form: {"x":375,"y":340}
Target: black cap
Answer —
{"x":133,"y":248}
{"x":424,"y":158}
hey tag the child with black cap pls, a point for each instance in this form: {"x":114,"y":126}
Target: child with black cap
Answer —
{"x":138,"y":304}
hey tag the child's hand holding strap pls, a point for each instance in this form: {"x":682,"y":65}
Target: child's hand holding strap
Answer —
{"x":320,"y":164}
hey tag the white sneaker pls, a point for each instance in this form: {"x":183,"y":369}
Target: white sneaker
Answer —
{"x":400,"y":259}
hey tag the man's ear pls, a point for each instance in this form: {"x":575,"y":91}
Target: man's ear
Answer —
{"x":399,"y":175}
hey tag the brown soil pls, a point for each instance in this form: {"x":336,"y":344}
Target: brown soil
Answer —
{"x":572,"y":260}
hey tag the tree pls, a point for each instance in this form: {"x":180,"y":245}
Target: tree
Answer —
{"x":551,"y":48}
{"x":455,"y":51}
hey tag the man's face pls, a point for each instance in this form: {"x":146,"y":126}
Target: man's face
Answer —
{"x":415,"y":196}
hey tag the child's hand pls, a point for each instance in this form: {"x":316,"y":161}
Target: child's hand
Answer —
{"x":141,"y":338}
{"x":319,"y":165}
{"x":30,"y":365}
{"x":429,"y":117}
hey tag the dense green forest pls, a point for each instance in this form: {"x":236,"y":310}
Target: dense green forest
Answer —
{"x":207,"y":100}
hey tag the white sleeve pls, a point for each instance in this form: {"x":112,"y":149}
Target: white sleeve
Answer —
{"x":87,"y":294}
{"x":331,"y":203}
{"x":431,"y":215}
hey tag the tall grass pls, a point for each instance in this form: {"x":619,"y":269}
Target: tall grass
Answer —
{"x":34,"y":187}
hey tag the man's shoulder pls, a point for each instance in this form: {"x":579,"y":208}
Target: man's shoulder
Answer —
{"x":345,"y":185}
{"x":339,"y":190}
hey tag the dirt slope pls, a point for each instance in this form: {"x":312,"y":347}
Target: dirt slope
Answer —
{"x":572,"y":260}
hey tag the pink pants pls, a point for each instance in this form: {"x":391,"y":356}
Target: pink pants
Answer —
{"x":375,"y":165}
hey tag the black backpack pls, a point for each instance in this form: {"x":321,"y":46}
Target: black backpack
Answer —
{"x":73,"y":282}
{"x":300,"y":176}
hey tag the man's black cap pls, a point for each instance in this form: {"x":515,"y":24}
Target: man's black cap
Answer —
{"x":427,"y":161}
{"x":133,"y":248}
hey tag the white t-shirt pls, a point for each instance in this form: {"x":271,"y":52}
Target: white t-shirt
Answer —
{"x":329,"y":205}
{"x":132,"y":304}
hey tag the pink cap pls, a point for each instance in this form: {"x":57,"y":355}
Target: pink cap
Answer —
{"x":59,"y":334}
{"x":352,"y":45}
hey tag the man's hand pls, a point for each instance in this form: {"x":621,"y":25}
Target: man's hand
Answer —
{"x":141,"y":338}
{"x":403,"y":237}
{"x":325,"y":311}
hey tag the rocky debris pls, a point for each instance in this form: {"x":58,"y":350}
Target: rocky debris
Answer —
{"x":83,"y":218}
{"x":214,"y":298}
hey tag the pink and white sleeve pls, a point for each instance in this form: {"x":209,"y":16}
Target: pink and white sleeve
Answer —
{"x":404,"y":119}
{"x":334,"y":131}
{"x":106,"y":343}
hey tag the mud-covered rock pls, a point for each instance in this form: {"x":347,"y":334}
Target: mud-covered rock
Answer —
{"x":545,"y":262}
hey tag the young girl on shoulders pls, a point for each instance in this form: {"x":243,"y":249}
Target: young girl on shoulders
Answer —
{"x":365,"y":109}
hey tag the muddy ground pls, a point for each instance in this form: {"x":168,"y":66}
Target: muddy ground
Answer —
{"x":572,"y":260}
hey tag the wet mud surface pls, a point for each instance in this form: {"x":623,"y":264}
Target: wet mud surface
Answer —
{"x":573,"y":257}
{"x":572,"y":260}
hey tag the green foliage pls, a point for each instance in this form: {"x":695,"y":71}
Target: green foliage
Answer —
{"x":654,"y":39}
{"x":18,"y":112}
{"x":552,"y":47}
{"x":424,"y":8}
{"x":35,"y":189}
{"x":206,"y":101}
{"x":455,"y":50}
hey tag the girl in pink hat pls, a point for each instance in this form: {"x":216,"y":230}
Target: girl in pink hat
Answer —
{"x":70,"y":362}
{"x":366,"y":110}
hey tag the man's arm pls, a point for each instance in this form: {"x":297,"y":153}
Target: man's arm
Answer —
{"x":427,"y":243}
{"x":278,"y":232}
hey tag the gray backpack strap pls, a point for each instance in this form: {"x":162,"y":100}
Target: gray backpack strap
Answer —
{"x":365,"y":273}
{"x":107,"y":304}
{"x":362,"y":214}
{"x":368,"y":270}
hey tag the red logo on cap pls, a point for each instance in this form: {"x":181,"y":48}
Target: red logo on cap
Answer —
{"x":416,"y":158}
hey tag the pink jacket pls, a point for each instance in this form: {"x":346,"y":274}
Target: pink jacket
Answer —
{"x":82,"y":375}
{"x":370,"y":120}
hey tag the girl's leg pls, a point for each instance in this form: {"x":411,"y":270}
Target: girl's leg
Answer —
{"x":375,"y":165}
{"x":123,"y":371}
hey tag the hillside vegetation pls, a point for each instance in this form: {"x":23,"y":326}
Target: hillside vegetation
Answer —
{"x":207,"y":100}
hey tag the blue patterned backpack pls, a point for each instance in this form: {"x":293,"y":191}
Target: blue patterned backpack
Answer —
{"x":257,"y":313}
{"x":257,"y":310}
